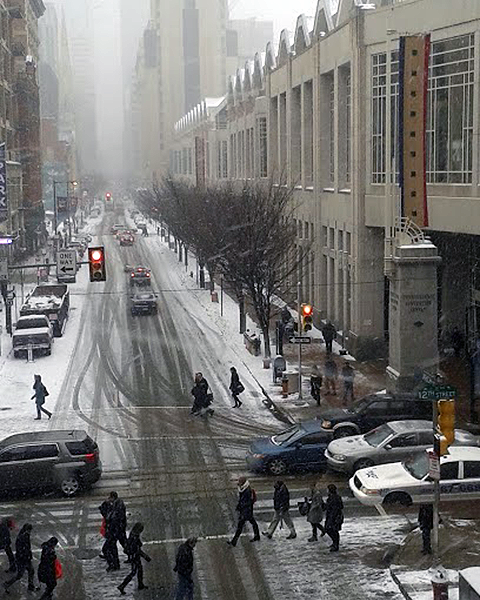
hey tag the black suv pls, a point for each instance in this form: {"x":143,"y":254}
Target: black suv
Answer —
{"x":374,"y":410}
{"x":64,"y":460}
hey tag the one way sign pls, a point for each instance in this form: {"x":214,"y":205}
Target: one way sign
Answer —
{"x":67,"y":266}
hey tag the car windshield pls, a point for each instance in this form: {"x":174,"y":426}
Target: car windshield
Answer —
{"x":417,"y":465}
{"x":285,"y":436}
{"x":359,"y":406}
{"x":31,"y":324}
{"x":378,"y":436}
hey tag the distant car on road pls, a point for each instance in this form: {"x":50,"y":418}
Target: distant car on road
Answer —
{"x":116,"y":228}
{"x":408,"y":482}
{"x":143,"y":303}
{"x":127,"y":239}
{"x":302,"y":447}
{"x":140,"y":276}
{"x":64,"y":460}
{"x":392,"y":442}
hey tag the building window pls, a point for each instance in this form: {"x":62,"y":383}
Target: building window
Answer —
{"x":190,"y":162}
{"x":225,"y":159}
{"x":348,"y":127}
{"x":331,"y":125}
{"x":450,"y":110}
{"x":207,"y":159}
{"x":219,"y":160}
{"x":308,"y":133}
{"x":263,"y":146}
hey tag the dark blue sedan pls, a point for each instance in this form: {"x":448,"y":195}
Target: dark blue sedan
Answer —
{"x":301,"y":447}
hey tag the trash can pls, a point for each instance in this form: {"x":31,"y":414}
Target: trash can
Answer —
{"x":279,"y":366}
{"x":439,"y":578}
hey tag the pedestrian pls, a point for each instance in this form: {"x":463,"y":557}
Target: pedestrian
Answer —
{"x":329,"y":334}
{"x":315,"y":514}
{"x":135,"y":554}
{"x":333,"y":517}
{"x":246,"y":500}
{"x":184,"y":569}
{"x":281,"y":506}
{"x":425,"y":521}
{"x":202,"y":399}
{"x":39,"y":396}
{"x":316,"y":381}
{"x":46,"y":568}
{"x":23,"y":557}
{"x":115,"y":514}
{"x":6,"y":526}
{"x":331,"y":372}
{"x":236,"y":387}
{"x":348,"y":377}
{"x":458,"y":341}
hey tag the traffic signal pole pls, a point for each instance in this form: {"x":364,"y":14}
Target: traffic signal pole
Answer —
{"x":300,"y":331}
{"x":436,"y":491}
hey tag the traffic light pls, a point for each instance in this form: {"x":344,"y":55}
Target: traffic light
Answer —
{"x":307,"y":317}
{"x":96,"y":263}
{"x":108,"y":196}
{"x":446,"y":423}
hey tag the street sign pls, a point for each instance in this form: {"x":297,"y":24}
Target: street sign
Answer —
{"x":66,"y":263}
{"x":437,"y":392}
{"x":4,"y":270}
{"x":433,"y":465}
{"x":298,"y":339}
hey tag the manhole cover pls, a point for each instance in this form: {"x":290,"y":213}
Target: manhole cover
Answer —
{"x":85,"y":553}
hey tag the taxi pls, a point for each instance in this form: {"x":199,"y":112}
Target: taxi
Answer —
{"x":409,"y":482}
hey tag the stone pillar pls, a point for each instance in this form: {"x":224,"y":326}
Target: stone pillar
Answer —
{"x":413,"y":314}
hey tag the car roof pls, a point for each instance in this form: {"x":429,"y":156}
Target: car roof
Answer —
{"x":462,"y":453}
{"x":32,"y":316}
{"x":409,"y":425}
{"x":31,"y":331}
{"x":31,"y":437}
{"x":144,"y":295}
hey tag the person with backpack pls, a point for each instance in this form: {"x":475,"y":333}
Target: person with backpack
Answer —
{"x":281,"y":506}
{"x":133,"y":548}
{"x":246,"y":499}
{"x":184,"y":569}
{"x":40,"y":394}
{"x":23,"y":558}
{"x":236,"y":387}
{"x":47,"y":572}
{"x":6,"y":526}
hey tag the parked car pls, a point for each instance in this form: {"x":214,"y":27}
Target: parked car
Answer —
{"x":374,"y":410}
{"x":78,"y":246}
{"x":41,"y":460}
{"x":408,"y":482}
{"x":392,"y":442}
{"x":302,"y":446}
{"x":140,"y":276}
{"x":37,"y":340}
{"x":33,"y":322}
{"x":143,"y":303}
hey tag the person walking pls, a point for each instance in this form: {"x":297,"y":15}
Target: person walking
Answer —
{"x":236,"y":387}
{"x":348,"y":377}
{"x":46,"y":568}
{"x":200,"y":394}
{"x":281,"y":506}
{"x":331,"y":372}
{"x":6,"y":526}
{"x":115,"y":514}
{"x":135,"y":553}
{"x":40,"y":394}
{"x":425,"y":521}
{"x":333,"y":517}
{"x":315,"y":514}
{"x":184,"y":569}
{"x":246,"y":500}
{"x":316,"y":381}
{"x":23,"y":558}
{"x":329,"y":334}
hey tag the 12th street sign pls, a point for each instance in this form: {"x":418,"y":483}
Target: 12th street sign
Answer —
{"x":66,"y":263}
{"x":437,"y":392}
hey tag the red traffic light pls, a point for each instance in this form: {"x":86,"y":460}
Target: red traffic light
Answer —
{"x":96,"y":263}
{"x":307,"y":310}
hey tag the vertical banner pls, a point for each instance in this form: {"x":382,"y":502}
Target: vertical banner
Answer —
{"x":414,"y":59}
{"x":200,"y":165}
{"x":3,"y":184}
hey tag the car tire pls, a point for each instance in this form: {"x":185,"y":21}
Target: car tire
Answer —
{"x":16,"y":354}
{"x":48,"y":352}
{"x":342,"y":432}
{"x":401,"y":498}
{"x":277,"y":466}
{"x":70,"y":485}
{"x":363,"y":463}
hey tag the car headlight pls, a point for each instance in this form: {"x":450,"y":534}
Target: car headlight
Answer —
{"x":369,"y":491}
{"x":326,"y":424}
{"x":258,"y":455}
{"x":340,"y":457}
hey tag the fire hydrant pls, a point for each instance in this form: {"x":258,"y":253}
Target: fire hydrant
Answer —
{"x":439,"y":583}
{"x":285,"y":386}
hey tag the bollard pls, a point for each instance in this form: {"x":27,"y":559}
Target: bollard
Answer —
{"x":285,"y":386}
{"x":440,"y":583}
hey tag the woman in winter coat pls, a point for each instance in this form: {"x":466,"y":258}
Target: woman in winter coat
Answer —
{"x":333,"y":516}
{"x":46,"y":568}
{"x":236,"y":387}
{"x":199,"y":393}
{"x":23,"y":556}
{"x":40,"y":394}
{"x":315,"y":514}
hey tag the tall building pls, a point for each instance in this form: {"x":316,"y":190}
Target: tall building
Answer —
{"x":245,"y":37}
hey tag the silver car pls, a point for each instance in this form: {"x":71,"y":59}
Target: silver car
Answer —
{"x":391,"y":442}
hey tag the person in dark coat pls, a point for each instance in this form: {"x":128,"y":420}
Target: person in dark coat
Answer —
{"x":135,"y":554}
{"x":199,"y":393}
{"x":236,"y":387}
{"x":315,"y":514}
{"x":23,"y":557}
{"x":333,"y":517}
{"x":184,"y":569}
{"x":281,"y":506}
{"x":46,"y":568}
{"x":331,"y":372}
{"x":458,"y":341}
{"x":348,"y":377}
{"x":425,"y":521}
{"x":329,"y":334}
{"x":316,"y":381}
{"x":115,"y":514}
{"x":6,"y":526}
{"x":40,"y":394}
{"x":245,"y":504}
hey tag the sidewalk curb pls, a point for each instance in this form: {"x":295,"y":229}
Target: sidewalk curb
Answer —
{"x":399,"y":584}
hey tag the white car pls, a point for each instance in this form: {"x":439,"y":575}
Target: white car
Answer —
{"x":408,"y":482}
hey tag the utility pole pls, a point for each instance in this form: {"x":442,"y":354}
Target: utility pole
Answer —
{"x":436,"y":489}
{"x":300,"y":331}
{"x":55,"y":216}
